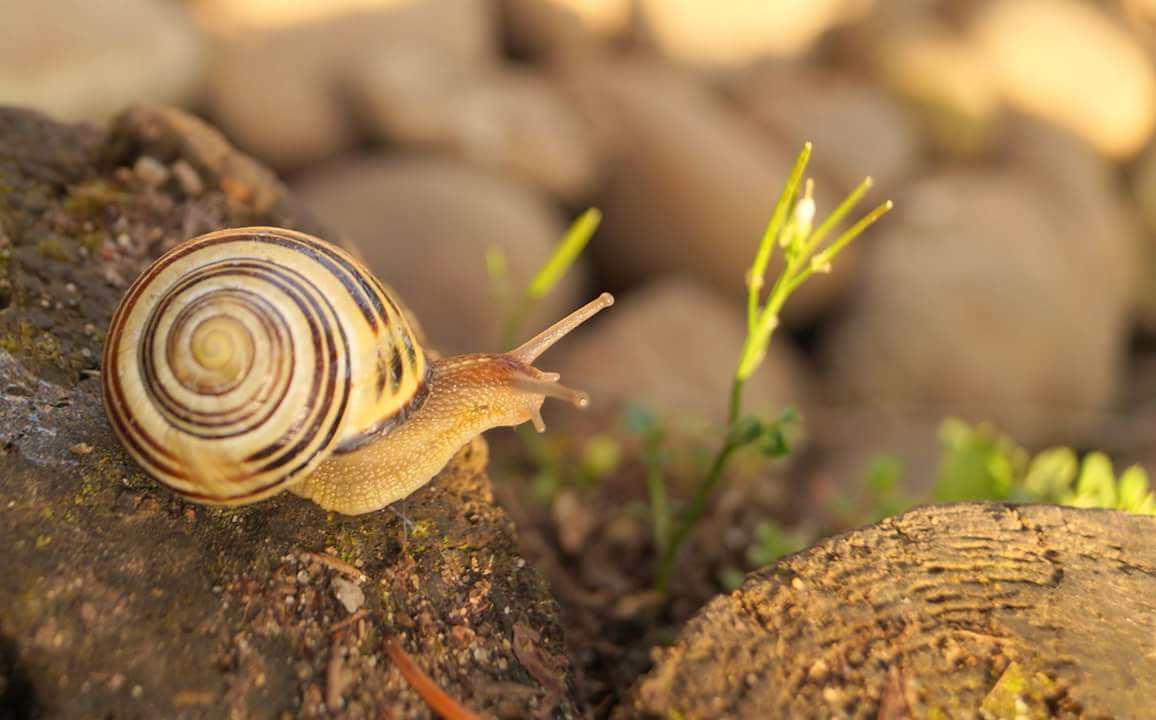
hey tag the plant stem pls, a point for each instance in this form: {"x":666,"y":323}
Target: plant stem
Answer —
{"x":736,"y":403}
{"x":659,"y":507}
{"x":690,"y":518}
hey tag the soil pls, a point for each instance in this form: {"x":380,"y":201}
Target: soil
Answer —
{"x":117,"y":600}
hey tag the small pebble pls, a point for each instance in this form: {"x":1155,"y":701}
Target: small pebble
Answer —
{"x":349,"y":594}
{"x":81,"y":448}
{"x":188,"y":178}
{"x":151,"y":171}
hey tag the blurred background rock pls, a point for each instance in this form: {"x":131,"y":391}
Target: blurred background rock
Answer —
{"x":1015,"y":282}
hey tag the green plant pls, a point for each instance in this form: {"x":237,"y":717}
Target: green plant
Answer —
{"x":791,"y":228}
{"x":644,"y":423}
{"x":770,"y":543}
{"x":884,"y":478}
{"x":978,"y":462}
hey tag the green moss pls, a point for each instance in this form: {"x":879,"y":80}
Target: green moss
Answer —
{"x":90,"y":200}
{"x":27,"y":342}
{"x":54,"y":249}
{"x":91,"y":240}
{"x":1019,"y":695}
{"x":419,"y":530}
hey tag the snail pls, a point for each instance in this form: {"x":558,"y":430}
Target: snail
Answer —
{"x":252,"y":360}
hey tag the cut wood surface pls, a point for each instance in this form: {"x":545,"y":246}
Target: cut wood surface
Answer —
{"x":948,"y":611}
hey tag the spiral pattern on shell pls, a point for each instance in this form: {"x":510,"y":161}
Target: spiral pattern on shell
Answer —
{"x":242,"y":359}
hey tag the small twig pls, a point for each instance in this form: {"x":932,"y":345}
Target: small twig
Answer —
{"x":434,"y":696}
{"x":338,"y":626}
{"x":339,"y":565}
{"x":893,"y":703}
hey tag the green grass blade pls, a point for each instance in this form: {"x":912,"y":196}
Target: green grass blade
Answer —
{"x":573,"y":242}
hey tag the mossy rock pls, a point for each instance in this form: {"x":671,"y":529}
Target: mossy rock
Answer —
{"x":119,"y":600}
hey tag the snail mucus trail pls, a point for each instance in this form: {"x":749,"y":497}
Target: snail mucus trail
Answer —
{"x":253,"y":360}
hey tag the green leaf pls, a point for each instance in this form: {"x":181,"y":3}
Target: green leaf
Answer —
{"x":1096,"y":485}
{"x":977,"y":463}
{"x":955,"y":433}
{"x":884,"y":473}
{"x":640,"y":420}
{"x":601,"y":456}
{"x":745,"y":431}
{"x":545,"y":485}
{"x":1051,"y":474}
{"x":790,"y":416}
{"x":774,"y":443}
{"x":731,"y":578}
{"x":573,"y":242}
{"x":1133,"y":489}
{"x":770,"y":544}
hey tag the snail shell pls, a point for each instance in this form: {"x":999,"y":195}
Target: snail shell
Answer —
{"x":241,"y":361}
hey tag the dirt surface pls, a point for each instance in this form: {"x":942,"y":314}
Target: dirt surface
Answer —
{"x":947,"y":611}
{"x":117,"y":600}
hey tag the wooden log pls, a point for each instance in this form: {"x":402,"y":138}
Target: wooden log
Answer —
{"x":949,"y":611}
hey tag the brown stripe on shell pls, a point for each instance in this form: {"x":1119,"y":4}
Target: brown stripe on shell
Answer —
{"x":385,"y":425}
{"x":328,"y":338}
{"x":169,"y":404}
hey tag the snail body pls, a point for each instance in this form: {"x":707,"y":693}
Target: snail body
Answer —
{"x":249,"y":361}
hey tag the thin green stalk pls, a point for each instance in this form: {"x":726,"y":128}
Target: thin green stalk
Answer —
{"x":837,"y":216}
{"x":774,"y":227}
{"x":736,"y":403}
{"x":659,"y":507}
{"x":693,"y":514}
{"x":573,"y":243}
{"x":822,"y":259}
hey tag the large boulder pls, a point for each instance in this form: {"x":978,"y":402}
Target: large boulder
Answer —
{"x":281,"y":94}
{"x":969,"y":304}
{"x":691,"y":184}
{"x":82,"y":60}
